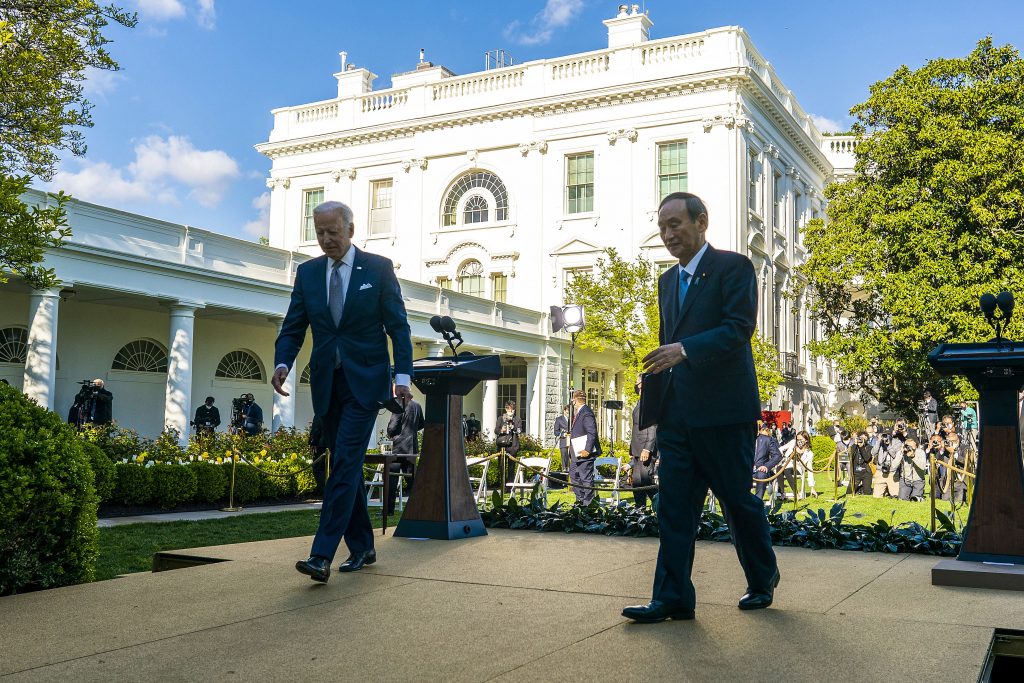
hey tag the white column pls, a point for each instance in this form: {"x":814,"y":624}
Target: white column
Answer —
{"x":489,"y":413}
{"x":534,"y":398}
{"x":284,"y":406}
{"x":178,"y":399}
{"x":41,"y":361}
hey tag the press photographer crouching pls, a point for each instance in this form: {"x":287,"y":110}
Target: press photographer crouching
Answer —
{"x":207,"y":417}
{"x":246,"y":415}
{"x":93,"y":405}
{"x":912,"y":471}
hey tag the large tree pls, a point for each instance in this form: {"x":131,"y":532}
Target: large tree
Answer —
{"x":620,"y":300}
{"x":932,"y":217}
{"x":45,"y":48}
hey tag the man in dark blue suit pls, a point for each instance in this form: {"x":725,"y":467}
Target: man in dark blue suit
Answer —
{"x":709,"y":406}
{"x":767,"y":457}
{"x":350,"y":300}
{"x":584,"y":430}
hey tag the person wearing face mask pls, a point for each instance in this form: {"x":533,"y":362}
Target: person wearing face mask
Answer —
{"x":801,"y":466}
{"x":860,"y":464}
{"x":955,"y":483}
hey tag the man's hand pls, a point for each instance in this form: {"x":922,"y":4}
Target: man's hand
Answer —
{"x":402,"y":393}
{"x":278,"y":379}
{"x":645,"y":455}
{"x":762,"y":469}
{"x":663,"y":358}
{"x":583,"y":454}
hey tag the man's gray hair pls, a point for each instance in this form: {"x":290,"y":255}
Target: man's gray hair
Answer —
{"x":333,"y":206}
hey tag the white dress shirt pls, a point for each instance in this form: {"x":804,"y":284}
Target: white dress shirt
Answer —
{"x":345,"y":273}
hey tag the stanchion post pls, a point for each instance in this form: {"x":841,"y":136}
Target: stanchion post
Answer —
{"x":231,"y":492}
{"x":504,"y":474}
{"x":931,"y":488}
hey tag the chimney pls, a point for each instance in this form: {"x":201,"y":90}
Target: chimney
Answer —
{"x":353,"y":81}
{"x":629,"y":27}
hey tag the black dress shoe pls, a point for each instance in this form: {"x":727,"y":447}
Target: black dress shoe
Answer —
{"x":356,"y":561}
{"x":316,"y":568}
{"x":759,"y":599}
{"x":656,"y":611}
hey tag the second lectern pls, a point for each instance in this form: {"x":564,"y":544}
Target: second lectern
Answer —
{"x":441,"y":504}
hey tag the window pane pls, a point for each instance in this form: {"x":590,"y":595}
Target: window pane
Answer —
{"x":310,"y":200}
{"x":499,"y":287}
{"x":672,"y":168}
{"x":579,"y":183}
{"x":476,"y":210}
{"x":380,"y":206}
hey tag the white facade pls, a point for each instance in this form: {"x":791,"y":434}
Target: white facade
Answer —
{"x":703,"y":112}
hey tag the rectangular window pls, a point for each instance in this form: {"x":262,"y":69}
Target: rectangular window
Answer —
{"x":672,"y":169}
{"x":310,"y":200}
{"x":753,"y":180}
{"x":579,"y":183}
{"x":798,"y":217}
{"x":570,"y":274}
{"x":380,"y":206}
{"x":444,"y":282}
{"x":777,"y":207}
{"x":499,"y":288}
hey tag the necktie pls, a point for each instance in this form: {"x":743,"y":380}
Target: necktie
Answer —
{"x":336,"y":300}
{"x":684,"y":284}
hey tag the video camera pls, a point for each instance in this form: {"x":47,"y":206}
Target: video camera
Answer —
{"x":88,"y":386}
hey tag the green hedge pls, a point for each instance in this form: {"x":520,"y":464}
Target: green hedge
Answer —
{"x":278,"y":481}
{"x":104,"y":474}
{"x":823,"y":447}
{"x":48,"y":533}
{"x":173,"y":484}
{"x":248,"y":482}
{"x":134,"y":484}
{"x":211,"y":481}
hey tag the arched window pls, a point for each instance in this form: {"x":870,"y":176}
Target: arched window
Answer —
{"x":471,"y":278}
{"x":141,"y":355}
{"x":490,"y":184}
{"x":240,"y":365}
{"x":14,"y":345}
{"x":475,"y":210}
{"x":304,"y":377}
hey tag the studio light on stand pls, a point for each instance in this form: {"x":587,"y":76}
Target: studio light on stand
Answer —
{"x":571,"y":319}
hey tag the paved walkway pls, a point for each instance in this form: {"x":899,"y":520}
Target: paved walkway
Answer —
{"x":203,"y":514}
{"x":511,"y":606}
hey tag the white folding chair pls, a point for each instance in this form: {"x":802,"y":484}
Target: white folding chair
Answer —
{"x":377,"y":482}
{"x":479,"y":482}
{"x":604,"y":483}
{"x":524,"y":480}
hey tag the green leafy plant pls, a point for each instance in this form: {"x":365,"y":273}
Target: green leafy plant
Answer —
{"x":173,"y":484}
{"x":211,"y":481}
{"x":104,"y":474}
{"x":134,"y":484}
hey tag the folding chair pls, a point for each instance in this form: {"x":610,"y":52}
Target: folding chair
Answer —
{"x":525,"y":479}
{"x":377,"y":482}
{"x":607,"y":484}
{"x":481,"y":481}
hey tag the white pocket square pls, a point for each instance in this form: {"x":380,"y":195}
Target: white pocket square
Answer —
{"x":365,"y":285}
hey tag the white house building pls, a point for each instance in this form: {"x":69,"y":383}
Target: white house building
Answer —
{"x":489,"y":191}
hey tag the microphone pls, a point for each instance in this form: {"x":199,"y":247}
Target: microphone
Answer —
{"x":447,"y":324}
{"x":1005,"y":302}
{"x":435,"y":324}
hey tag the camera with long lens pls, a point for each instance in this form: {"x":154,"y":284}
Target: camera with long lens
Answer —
{"x":88,"y":387}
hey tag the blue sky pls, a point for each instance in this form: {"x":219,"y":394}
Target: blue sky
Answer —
{"x":175,"y":128}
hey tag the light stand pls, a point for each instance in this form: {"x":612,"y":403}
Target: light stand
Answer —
{"x":571,"y":319}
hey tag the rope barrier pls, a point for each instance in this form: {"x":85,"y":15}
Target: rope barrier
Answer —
{"x":282,"y":475}
{"x":606,"y":489}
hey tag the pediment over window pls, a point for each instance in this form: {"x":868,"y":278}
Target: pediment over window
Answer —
{"x":653,"y":241}
{"x":576,"y":246}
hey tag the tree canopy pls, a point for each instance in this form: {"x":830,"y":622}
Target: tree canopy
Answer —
{"x":45,"y":48}
{"x":932,"y":217}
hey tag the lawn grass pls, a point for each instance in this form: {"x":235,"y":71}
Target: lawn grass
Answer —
{"x":129,"y":548}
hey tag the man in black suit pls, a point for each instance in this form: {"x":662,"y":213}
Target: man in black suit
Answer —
{"x":643,"y":455}
{"x":767,"y":456}
{"x":352,"y":302}
{"x":709,"y":406}
{"x":561,"y":429}
{"x":584,"y":427}
{"x":207,"y":417}
{"x":403,"y":429}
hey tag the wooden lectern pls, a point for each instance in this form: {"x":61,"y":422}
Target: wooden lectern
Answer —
{"x":441,"y":503}
{"x":992,"y":554}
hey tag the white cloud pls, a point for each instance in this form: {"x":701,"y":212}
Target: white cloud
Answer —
{"x":162,"y":168}
{"x":100,"y":82}
{"x":161,"y":10}
{"x":556,"y":14}
{"x":207,"y":15}
{"x":261,"y":226}
{"x":168,"y":10}
{"x":827,"y":125}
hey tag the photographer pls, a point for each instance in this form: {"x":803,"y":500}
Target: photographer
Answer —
{"x":248,"y":415}
{"x":207,"y":417}
{"x":936,"y":449}
{"x":93,"y":405}
{"x":887,"y":454}
{"x":860,"y":463}
{"x":911,"y":471}
{"x":954,"y":453}
{"x":968,"y":422}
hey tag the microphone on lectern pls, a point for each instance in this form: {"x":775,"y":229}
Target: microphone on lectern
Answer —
{"x":435,"y":324}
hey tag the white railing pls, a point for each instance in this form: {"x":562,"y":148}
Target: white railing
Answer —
{"x":316,"y":112}
{"x":841,"y":144}
{"x":580,"y":67}
{"x":383,"y":100}
{"x":477,"y":84}
{"x":671,"y":52}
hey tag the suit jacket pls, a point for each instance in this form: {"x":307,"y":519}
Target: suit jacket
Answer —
{"x":373,"y":308}
{"x":403,"y":427}
{"x":716,"y":381}
{"x":642,"y":439}
{"x":585,"y":424}
{"x":766,"y":452}
{"x":561,"y":426}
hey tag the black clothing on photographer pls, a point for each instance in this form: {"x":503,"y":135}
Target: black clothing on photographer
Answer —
{"x":860,"y":479}
{"x":641,"y":440}
{"x":207,"y":417}
{"x":93,"y":405}
{"x":958,"y":487}
{"x":403,"y":429}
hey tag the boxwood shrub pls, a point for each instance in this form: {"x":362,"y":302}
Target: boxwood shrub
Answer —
{"x":823,"y":447}
{"x":280,"y":486}
{"x":211,"y":481}
{"x":173,"y":484}
{"x":102,"y":470}
{"x":48,"y":534}
{"x":248,"y":482}
{"x":134,"y":484}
